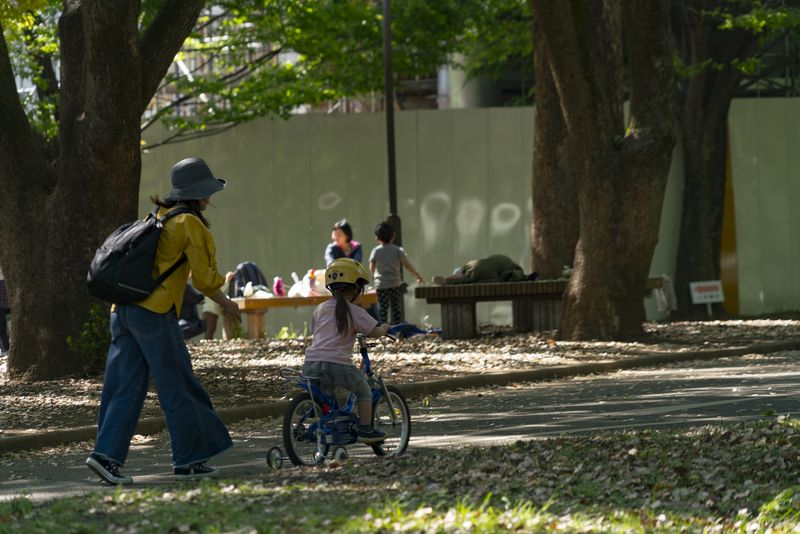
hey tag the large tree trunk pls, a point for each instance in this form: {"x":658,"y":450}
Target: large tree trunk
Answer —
{"x":554,"y":229}
{"x":704,"y":130}
{"x":705,"y":100}
{"x":55,"y":214}
{"x":620,"y":173}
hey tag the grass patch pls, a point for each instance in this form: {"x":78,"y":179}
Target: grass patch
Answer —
{"x":742,"y":478}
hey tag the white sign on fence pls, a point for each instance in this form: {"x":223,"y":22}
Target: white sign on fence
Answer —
{"x":707,"y":292}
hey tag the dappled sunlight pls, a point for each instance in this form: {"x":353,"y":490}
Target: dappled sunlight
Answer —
{"x":243,"y":371}
{"x":713,"y":478}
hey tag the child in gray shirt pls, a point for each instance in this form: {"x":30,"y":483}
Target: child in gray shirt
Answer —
{"x":385,"y":263}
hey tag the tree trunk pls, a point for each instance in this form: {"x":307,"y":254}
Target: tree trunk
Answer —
{"x":705,"y":100}
{"x":554,"y":230}
{"x":55,"y":214}
{"x":704,"y":129}
{"x":620,"y":172}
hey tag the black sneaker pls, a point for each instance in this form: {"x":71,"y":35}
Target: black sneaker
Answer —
{"x":107,"y":470}
{"x":367,"y":434}
{"x":198,"y":470}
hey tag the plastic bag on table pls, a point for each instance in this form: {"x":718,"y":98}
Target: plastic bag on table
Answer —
{"x":256,"y":292}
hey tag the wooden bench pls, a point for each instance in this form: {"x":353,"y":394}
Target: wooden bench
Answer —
{"x":256,"y":309}
{"x":535,"y":305}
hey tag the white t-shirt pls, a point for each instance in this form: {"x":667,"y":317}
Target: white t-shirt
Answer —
{"x":326,"y":343}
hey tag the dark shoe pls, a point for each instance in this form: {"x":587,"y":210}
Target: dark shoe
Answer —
{"x":194,"y":471}
{"x":367,"y":434}
{"x":107,"y":470}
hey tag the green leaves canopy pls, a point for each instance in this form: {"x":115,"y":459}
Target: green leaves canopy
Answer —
{"x":250,"y":58}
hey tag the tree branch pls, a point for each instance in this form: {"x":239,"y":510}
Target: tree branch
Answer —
{"x":234,"y":76}
{"x":211,"y":20}
{"x":181,"y":136}
{"x":163,"y":39}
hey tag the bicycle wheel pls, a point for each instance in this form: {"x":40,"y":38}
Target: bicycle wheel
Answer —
{"x":397,"y":429}
{"x":299,"y":437}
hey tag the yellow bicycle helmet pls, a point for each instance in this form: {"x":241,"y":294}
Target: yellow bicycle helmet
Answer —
{"x":346,"y":271}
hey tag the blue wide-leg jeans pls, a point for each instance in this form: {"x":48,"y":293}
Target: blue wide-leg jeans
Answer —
{"x":144,"y":343}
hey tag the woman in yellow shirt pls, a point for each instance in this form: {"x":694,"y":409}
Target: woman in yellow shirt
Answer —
{"x":147,"y":340}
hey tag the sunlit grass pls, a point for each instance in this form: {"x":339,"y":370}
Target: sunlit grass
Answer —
{"x":740,"y":478}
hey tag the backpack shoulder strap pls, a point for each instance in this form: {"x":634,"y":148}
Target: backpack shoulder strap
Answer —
{"x":167,"y":216}
{"x":172,"y":213}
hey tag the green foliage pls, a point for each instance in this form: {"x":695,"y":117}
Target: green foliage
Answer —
{"x":15,"y":14}
{"x":760,"y":17}
{"x":784,"y":508}
{"x":498,"y":37}
{"x":238,"y":330}
{"x":92,"y":344}
{"x":15,"y":510}
{"x":312,"y":52}
{"x":288,"y":332}
{"x":30,"y":29}
{"x":270,"y":56}
{"x":763,"y":20}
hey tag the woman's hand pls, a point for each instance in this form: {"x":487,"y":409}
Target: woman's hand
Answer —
{"x":232,"y":309}
{"x":228,"y":306}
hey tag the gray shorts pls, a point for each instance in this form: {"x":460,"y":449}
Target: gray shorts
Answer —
{"x":331,"y":375}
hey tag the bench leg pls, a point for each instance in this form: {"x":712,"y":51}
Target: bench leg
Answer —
{"x":522,"y":315}
{"x":255,"y":324}
{"x":458,"y":320}
{"x":536,"y":315}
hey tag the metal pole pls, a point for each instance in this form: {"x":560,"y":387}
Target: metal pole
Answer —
{"x":388,"y":87}
{"x":388,"y":81}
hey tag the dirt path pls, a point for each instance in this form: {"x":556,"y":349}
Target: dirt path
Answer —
{"x":242,"y":372}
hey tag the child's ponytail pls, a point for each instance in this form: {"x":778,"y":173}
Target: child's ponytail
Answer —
{"x":343,"y":317}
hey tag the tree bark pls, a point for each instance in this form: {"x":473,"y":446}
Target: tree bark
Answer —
{"x":704,"y":133}
{"x":703,"y":116}
{"x":620,"y":175}
{"x":554,"y":229}
{"x":55,"y":215}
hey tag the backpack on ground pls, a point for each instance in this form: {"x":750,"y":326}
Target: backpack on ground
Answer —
{"x":247,"y":271}
{"x":122,"y":269}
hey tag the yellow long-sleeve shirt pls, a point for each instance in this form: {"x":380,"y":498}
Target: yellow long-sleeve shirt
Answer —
{"x":183,"y":234}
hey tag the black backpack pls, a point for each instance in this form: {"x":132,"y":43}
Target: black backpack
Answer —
{"x":246,"y":271}
{"x":122,"y":269}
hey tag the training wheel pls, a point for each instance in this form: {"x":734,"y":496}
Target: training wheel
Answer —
{"x":275,"y":458}
{"x":340,"y":455}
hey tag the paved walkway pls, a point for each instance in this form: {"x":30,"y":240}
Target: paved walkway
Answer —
{"x":692,"y":393}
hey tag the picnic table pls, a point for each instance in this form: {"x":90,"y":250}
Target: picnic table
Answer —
{"x":256,"y":309}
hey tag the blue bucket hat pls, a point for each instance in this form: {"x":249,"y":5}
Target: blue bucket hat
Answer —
{"x":193,"y":180}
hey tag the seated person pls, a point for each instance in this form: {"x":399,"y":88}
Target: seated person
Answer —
{"x":189,"y":321}
{"x":495,"y":268}
{"x":342,"y":244}
{"x":211,"y":313}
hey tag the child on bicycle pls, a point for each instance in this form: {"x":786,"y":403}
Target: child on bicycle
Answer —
{"x":334,"y":326}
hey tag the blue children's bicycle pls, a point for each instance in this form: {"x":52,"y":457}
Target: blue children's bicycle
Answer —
{"x":316,"y":427}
